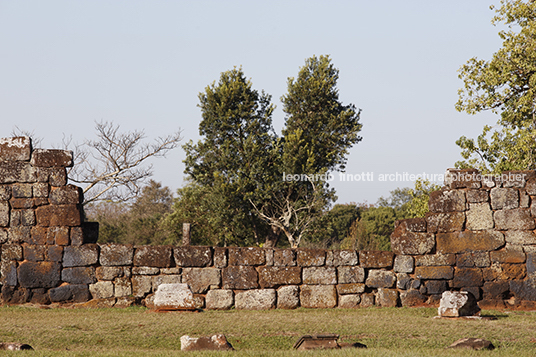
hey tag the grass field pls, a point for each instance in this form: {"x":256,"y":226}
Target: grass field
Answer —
{"x":141,"y":332}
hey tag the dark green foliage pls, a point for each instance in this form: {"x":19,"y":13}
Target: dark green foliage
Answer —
{"x":333,"y":227}
{"x":372,"y":230}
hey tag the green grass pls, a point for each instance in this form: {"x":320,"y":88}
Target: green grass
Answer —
{"x":141,"y":332}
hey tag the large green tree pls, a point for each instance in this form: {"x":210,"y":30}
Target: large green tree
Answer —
{"x":506,"y":85}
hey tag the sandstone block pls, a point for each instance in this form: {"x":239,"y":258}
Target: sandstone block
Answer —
{"x":116,"y":254}
{"x":319,"y":275}
{"x":350,"y":274}
{"x":288,"y":297}
{"x":461,"y":178}
{"x":200,"y":280}
{"x":193,"y":256}
{"x":38,"y":274}
{"x":122,"y":287}
{"x":343,"y":257}
{"x":153,"y":256}
{"x":166,"y":279}
{"x":66,"y":195}
{"x":444,"y":201}
{"x":239,"y":277}
{"x":16,"y":148}
{"x":311,"y":257}
{"x":403,"y":264}
{"x":368,"y":300}
{"x":246,"y":256}
{"x":16,"y":171}
{"x":512,"y":271}
{"x":34,"y":253}
{"x":412,"y":298}
{"x":41,"y":190}
{"x":496,"y":290}
{"x":141,"y":285}
{"x":479,"y":217}
{"x":514,"y":219}
{"x":255,"y":299}
{"x":467,"y":277}
{"x":4,"y":214}
{"x":80,"y":256}
{"x":69,"y":293}
{"x":11,"y":252}
{"x":284,"y":257}
{"x":52,"y":158}
{"x":8,"y":273}
{"x":524,"y":289}
{"x":108,"y":273}
{"x":58,"y":215}
{"x":403,"y":281}
{"x":219,"y":299}
{"x":145,"y":270}
{"x":434,"y":287}
{"x":387,"y":297}
{"x":3,"y":235}
{"x":318,"y":296}
{"x":520,"y":237}
{"x":473,"y":344}
{"x":531,"y":263}
{"x":220,"y":257}
{"x":434,"y":272}
{"x":380,"y":279}
{"x":477,"y":196}
{"x":376,"y":259}
{"x":345,"y":289}
{"x":405,"y":242}
{"x":508,"y":255}
{"x":471,"y":260}
{"x":211,"y":343}
{"x":102,"y":290}
{"x":174,"y":297}
{"x":504,"y":198}
{"x":468,"y":241}
{"x":457,"y":304}
{"x":275,"y":276}
{"x":17,"y":235}
{"x":54,"y":253}
{"x":79,"y":275}
{"x":349,"y":301}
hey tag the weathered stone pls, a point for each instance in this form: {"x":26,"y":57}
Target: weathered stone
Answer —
{"x":387,"y":297}
{"x":512,"y":271}
{"x":122,"y":287}
{"x":510,"y":255}
{"x":21,"y":203}
{"x":319,"y":275}
{"x":531,"y":263}
{"x":8,"y":273}
{"x":407,"y":242}
{"x":108,"y":273}
{"x":317,"y":342}
{"x":414,"y":224}
{"x":16,"y":148}
{"x":477,"y":196}
{"x":166,"y":279}
{"x":38,"y":274}
{"x":435,"y":260}
{"x":16,"y":171}
{"x":153,"y":256}
{"x":79,"y":275}
{"x":66,"y":195}
{"x":343,"y":257}
{"x":467,"y":277}
{"x":174,"y":297}
{"x":318,"y":296}
{"x":403,"y":281}
{"x":116,"y":254}
{"x":141,"y":285}
{"x":269,"y":253}
{"x":145,"y":270}
{"x":5,"y":192}
{"x":52,"y":158}
{"x":470,"y":260}
{"x":219,"y":299}
{"x":34,"y":253}
{"x":311,"y":257}
{"x":380,"y":279}
{"x":496,"y":289}
{"x":210,"y":343}
{"x":18,"y":234}
{"x":288,"y":297}
{"x":239,"y":277}
{"x":54,"y":253}
{"x":41,"y":190}
{"x":504,"y":198}
{"x":435,"y":286}
{"x":524,"y":199}
{"x":71,"y":293}
{"x":284,"y":257}
{"x":102,"y":290}
{"x":479,"y":217}
{"x":220,"y":257}
{"x":349,"y":301}
{"x":21,"y":190}
{"x":58,"y":215}
{"x":350,"y":274}
{"x":520,"y":237}
{"x":434,"y":272}
{"x":246,"y":256}
{"x":255,"y":299}
{"x":367,"y":300}
{"x":468,"y":241}
{"x":524,"y":289}
{"x":457,"y":304}
{"x":193,"y":256}
{"x":200,"y":280}
{"x":473,"y":344}
{"x":412,"y":298}
{"x":275,"y":276}
{"x":514,"y":219}
{"x":14,"y":346}
{"x":444,"y":201}
{"x":4,"y":214}
{"x":80,"y":256}
{"x":461,"y":178}
{"x":403,"y":264}
{"x":376,"y":259}
{"x":3,"y":236}
{"x":344,"y":289}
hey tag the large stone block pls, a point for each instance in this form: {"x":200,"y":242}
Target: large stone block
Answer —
{"x":288,"y":297}
{"x":38,"y":274}
{"x":246,"y":256}
{"x":311,"y":257}
{"x":80,"y":256}
{"x":343,"y":257}
{"x":200,"y":280}
{"x":471,"y":260}
{"x":102,"y":290}
{"x":457,"y":304}
{"x":350,"y":274}
{"x":496,"y":290}
{"x":380,"y":279}
{"x":79,"y":275}
{"x":8,"y":273}
{"x":275,"y":276}
{"x":344,"y":289}
{"x":116,"y":254}
{"x":319,"y":275}
{"x":434,"y":287}
{"x":16,"y":148}
{"x":376,"y":259}
{"x":4,"y":214}
{"x":520,"y":237}
{"x":15,"y":171}
{"x":387,"y":297}
{"x":510,"y":255}
{"x":153,"y":256}
{"x":239,"y":277}
{"x":58,"y":215}
{"x":479,"y":217}
{"x":174,"y":296}
{"x":463,"y":178}
{"x":405,"y":242}
{"x":220,"y":257}
{"x":467,"y":277}
{"x":515,"y":219}
{"x":66,"y":195}
{"x":404,"y":264}
{"x":284,"y":257}
{"x":206,"y":343}
{"x":504,"y":198}
{"x":318,"y":296}
{"x":524,"y":289}
{"x":468,"y":241}
{"x":193,"y":256}
{"x":141,"y":285}
{"x":52,"y":158}
{"x":349,"y":301}
{"x":166,"y":279}
{"x":477,"y":196}
{"x":256,"y":299}
{"x":122,"y":287}
{"x":219,"y":299}
{"x":70,"y":293}
{"x":412,"y":298}
{"x":444,"y":201}
{"x":434,"y":272}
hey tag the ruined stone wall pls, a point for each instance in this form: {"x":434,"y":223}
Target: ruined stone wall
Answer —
{"x":478,"y":236}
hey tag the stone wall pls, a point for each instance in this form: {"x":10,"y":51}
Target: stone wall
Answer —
{"x":478,"y":236}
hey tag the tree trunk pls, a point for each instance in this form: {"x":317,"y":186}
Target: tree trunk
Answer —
{"x":272,"y":238}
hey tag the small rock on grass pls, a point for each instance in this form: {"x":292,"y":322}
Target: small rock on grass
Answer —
{"x":216,"y":342}
{"x":473,"y":343}
{"x":12,"y":346}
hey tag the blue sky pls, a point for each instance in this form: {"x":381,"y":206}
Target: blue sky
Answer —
{"x":141,"y":64}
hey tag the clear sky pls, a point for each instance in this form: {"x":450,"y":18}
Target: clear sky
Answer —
{"x":141,"y":64}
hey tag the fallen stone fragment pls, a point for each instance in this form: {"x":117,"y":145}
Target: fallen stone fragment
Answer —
{"x":216,"y":342}
{"x":458,"y":304}
{"x":473,"y":343}
{"x":314,"y":342}
{"x":11,"y":346}
{"x":171,"y":297}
